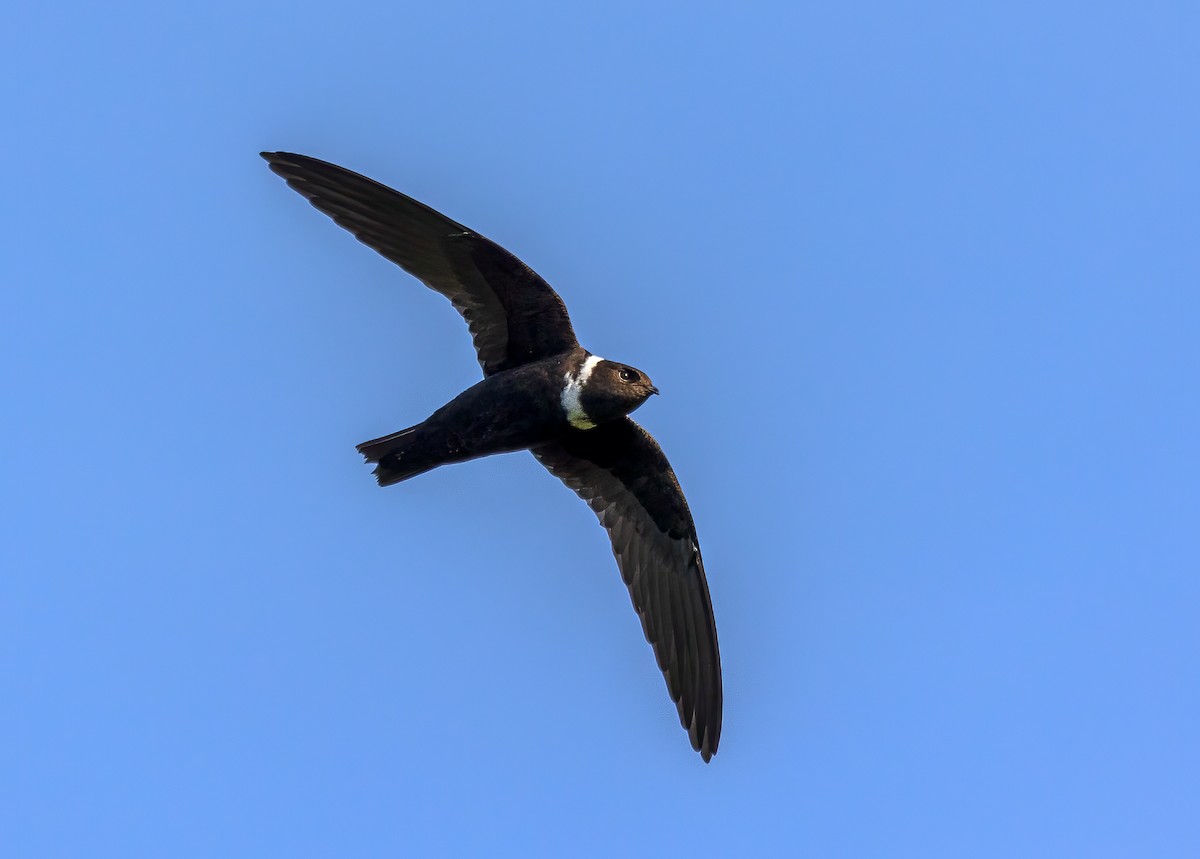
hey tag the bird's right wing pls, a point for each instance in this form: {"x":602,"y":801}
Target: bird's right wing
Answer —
{"x":514,"y":315}
{"x":621,"y":472}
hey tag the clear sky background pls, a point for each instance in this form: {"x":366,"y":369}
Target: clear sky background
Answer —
{"x":920,"y":284}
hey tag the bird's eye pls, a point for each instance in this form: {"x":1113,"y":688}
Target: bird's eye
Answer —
{"x":628,"y":375}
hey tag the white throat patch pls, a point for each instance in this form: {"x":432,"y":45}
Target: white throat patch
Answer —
{"x":576,"y":416}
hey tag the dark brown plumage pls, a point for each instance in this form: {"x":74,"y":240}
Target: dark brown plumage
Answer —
{"x":543,"y":391}
{"x":621,"y":472}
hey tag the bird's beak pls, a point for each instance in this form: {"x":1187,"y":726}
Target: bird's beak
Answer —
{"x":653,"y":389}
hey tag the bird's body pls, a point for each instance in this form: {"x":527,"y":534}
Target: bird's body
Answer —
{"x":543,"y":392}
{"x":511,"y":410}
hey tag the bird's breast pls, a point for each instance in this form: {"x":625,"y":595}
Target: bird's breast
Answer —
{"x":508,"y":411}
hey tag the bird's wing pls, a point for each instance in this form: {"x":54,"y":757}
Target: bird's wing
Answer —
{"x":621,"y":472}
{"x":514,"y":315}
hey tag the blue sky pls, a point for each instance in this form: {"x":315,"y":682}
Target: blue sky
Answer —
{"x":919,"y":284}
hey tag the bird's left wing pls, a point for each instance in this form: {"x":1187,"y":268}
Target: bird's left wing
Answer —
{"x":514,"y":316}
{"x":621,"y":472}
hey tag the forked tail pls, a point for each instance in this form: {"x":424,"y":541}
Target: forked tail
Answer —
{"x":399,"y":456}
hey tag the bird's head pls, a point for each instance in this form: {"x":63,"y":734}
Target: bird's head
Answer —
{"x":612,"y":390}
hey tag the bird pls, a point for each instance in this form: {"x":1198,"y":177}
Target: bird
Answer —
{"x":543,"y":392}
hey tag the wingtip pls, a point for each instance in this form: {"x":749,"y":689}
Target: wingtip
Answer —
{"x":704,"y":736}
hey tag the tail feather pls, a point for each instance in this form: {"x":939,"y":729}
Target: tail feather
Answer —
{"x":398,"y":456}
{"x":376,"y":448}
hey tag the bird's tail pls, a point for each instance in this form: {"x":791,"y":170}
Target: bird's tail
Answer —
{"x":399,"y":456}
